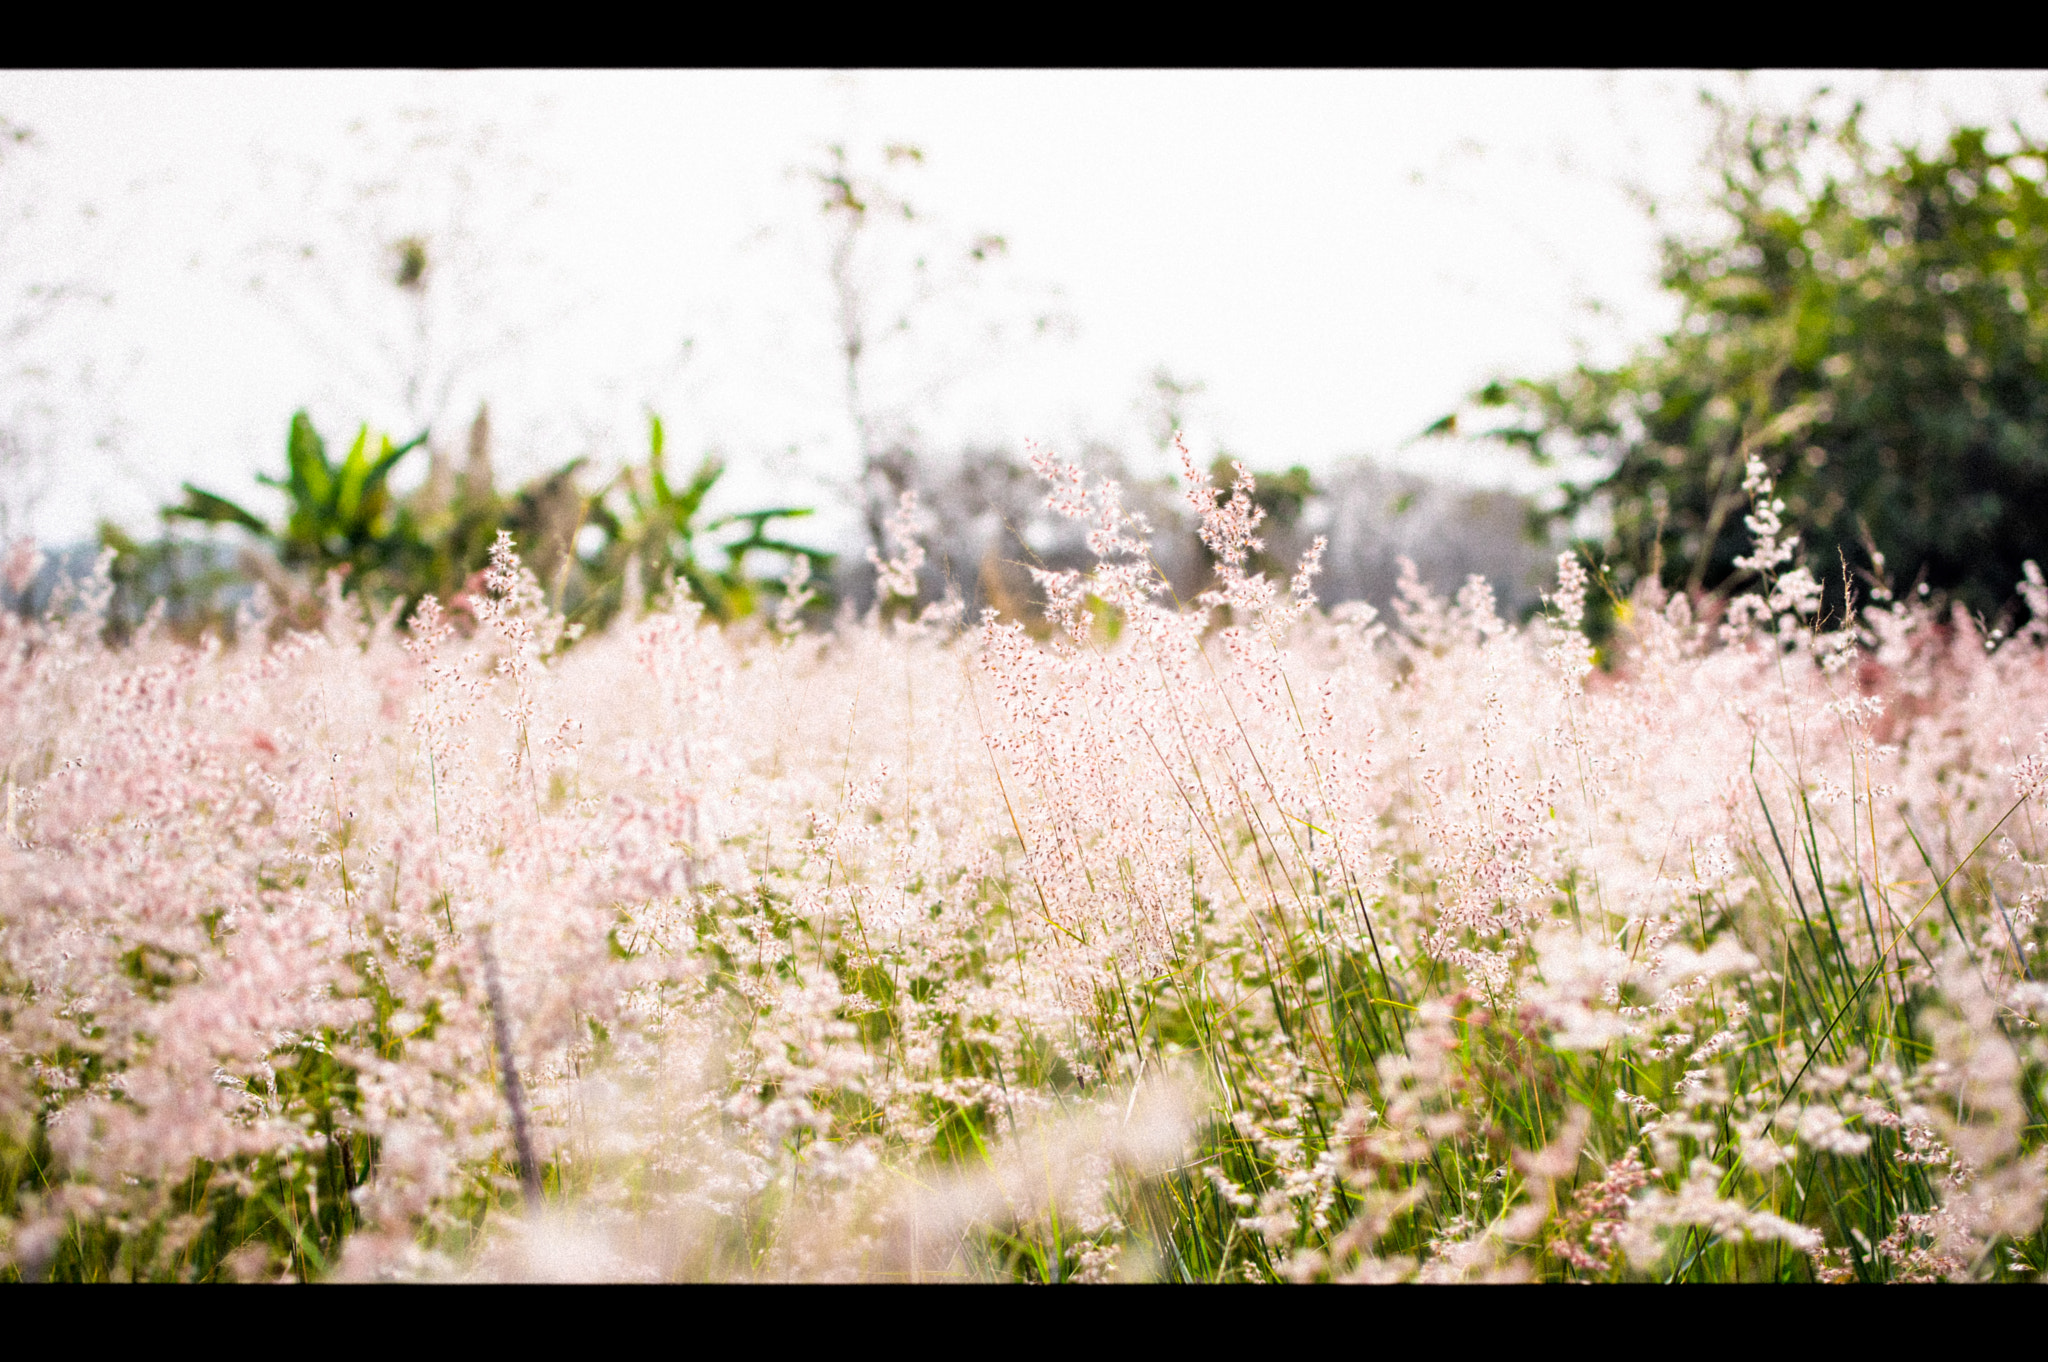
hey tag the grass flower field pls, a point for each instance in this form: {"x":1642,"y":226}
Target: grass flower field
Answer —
{"x":1218,"y":940}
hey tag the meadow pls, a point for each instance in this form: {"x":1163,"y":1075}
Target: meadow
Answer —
{"x":1227,"y":939}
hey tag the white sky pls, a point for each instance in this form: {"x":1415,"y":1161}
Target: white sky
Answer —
{"x":1338,"y":256}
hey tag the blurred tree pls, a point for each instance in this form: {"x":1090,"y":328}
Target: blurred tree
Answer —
{"x":1166,"y":403}
{"x":1281,"y":498}
{"x":41,"y":281}
{"x":194,"y":584}
{"x":909,"y":314}
{"x":406,"y":262}
{"x":1867,"y":322}
{"x":873,"y":303}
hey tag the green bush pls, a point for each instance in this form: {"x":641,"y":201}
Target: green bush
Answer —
{"x":1866,"y":321}
{"x":343,"y":516}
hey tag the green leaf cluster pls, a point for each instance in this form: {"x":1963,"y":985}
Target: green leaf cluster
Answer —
{"x":338,"y":514}
{"x":660,"y":524}
{"x":343,"y":515}
{"x":1866,"y":321}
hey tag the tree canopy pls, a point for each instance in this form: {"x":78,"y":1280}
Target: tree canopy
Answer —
{"x":1867,"y":321}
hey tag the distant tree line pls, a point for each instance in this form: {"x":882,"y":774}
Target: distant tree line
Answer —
{"x":601,"y":550}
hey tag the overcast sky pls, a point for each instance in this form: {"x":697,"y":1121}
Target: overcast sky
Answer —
{"x":1337,"y":257}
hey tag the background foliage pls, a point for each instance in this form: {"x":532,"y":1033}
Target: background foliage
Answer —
{"x":342,"y":516}
{"x":1868,"y":321}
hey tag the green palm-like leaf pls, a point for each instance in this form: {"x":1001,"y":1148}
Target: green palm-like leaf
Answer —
{"x":684,"y":506}
{"x":662,"y":530}
{"x":656,"y":476}
{"x":312,"y":478}
{"x":215,"y":510}
{"x":344,"y":510}
{"x":758,"y":518}
{"x":817,"y":556}
{"x":369,"y":493}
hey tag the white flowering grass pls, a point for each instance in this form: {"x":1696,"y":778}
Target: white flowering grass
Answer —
{"x":1239,"y":942}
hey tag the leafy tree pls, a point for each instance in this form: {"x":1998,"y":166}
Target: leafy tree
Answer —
{"x":1869,"y":324}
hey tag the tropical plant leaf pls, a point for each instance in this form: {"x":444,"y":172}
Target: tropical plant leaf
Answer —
{"x":312,"y":479}
{"x":215,"y":510}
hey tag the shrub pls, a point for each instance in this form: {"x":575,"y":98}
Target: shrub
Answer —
{"x":1866,"y":320}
